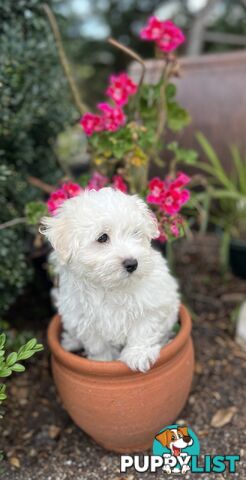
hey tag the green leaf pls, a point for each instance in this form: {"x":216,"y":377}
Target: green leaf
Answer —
{"x":177,"y":117}
{"x":187,"y":156}
{"x":2,"y":387}
{"x":18,"y":367}
{"x":84,"y":179}
{"x":31,"y":344}
{"x":5,"y":372}
{"x":240,"y":167}
{"x":3,"y":395}
{"x":2,"y":340}
{"x":11,"y":359}
{"x":34,"y":211}
{"x":24,"y":355}
{"x":38,"y":348}
{"x":215,"y":168}
{"x":171,"y":90}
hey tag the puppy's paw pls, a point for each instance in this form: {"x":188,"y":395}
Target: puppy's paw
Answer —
{"x":185,"y":469}
{"x":140,"y":358}
{"x":70,"y":343}
{"x":167,"y":469}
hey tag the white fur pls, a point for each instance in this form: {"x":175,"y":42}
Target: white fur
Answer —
{"x":109,"y":312}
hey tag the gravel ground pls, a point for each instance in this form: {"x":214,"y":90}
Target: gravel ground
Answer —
{"x":39,"y":440}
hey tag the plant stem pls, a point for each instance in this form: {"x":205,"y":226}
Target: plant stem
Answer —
{"x":170,"y":258}
{"x":131,"y":54}
{"x":224,"y":251}
{"x":12,"y":223}
{"x":64,"y":61}
{"x":163,"y":105}
{"x":36,"y":182}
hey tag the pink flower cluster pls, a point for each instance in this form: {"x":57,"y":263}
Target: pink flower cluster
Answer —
{"x":112,"y":117}
{"x":166,"y":34}
{"x":169,"y":197}
{"x":69,"y":189}
{"x":169,"y":225}
{"x":120,"y":88}
{"x":168,"y":194}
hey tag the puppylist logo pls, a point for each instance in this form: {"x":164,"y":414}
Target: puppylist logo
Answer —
{"x":176,"y":450}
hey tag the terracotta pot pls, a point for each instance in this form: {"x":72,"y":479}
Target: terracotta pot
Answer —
{"x":121,"y":409}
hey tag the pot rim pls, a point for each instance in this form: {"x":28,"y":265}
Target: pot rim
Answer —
{"x":114,"y":368}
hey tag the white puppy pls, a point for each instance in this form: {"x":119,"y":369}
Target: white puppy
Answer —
{"x":116,"y":296}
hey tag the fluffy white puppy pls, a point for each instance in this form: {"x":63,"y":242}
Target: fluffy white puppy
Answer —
{"x":116,"y":296}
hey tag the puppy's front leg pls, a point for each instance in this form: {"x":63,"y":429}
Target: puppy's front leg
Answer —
{"x":70,"y":342}
{"x":97,"y":349}
{"x":143,"y":345}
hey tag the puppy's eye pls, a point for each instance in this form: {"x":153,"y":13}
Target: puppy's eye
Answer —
{"x":173,"y":437}
{"x":103,"y":238}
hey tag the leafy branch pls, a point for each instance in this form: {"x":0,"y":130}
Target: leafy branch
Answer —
{"x":10,"y":363}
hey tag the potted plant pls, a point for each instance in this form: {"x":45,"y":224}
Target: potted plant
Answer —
{"x":229,"y":211}
{"x":126,"y":135}
{"x":119,"y":408}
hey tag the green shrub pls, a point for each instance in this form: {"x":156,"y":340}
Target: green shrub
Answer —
{"x":35,"y":107}
{"x":10,"y":363}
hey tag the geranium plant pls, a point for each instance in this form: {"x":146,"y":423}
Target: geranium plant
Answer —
{"x":127,"y":132}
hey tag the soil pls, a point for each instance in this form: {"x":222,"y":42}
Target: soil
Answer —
{"x":40,"y":442}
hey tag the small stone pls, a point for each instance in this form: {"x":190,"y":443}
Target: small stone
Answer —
{"x":198,"y":368}
{"x":32,"y":452}
{"x":223,"y":416}
{"x":181,"y":421}
{"x":15,"y":462}
{"x":54,"y":432}
{"x":241,"y":327}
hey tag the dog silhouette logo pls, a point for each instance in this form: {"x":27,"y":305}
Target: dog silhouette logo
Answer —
{"x":176,"y":444}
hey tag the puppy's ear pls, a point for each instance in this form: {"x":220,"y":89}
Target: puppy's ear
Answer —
{"x":150,"y":221}
{"x":56,"y":230}
{"x":184,"y":431}
{"x":164,"y":438}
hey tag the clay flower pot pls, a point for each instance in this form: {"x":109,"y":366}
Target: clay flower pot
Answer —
{"x":121,"y":409}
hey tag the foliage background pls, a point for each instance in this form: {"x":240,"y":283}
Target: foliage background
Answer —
{"x":35,"y":100}
{"x":35,"y":107}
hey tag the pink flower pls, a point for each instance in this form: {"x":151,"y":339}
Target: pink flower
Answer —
{"x":71,"y":189}
{"x":56,"y":199}
{"x":163,"y":236}
{"x":166,"y":34}
{"x":120,"y":87}
{"x":173,"y":199}
{"x":67,"y":190}
{"x":181,"y":180}
{"x":112,"y":117}
{"x":174,"y":230}
{"x":91,"y":123}
{"x":97,"y":181}
{"x":153,"y":29}
{"x":119,"y":184}
{"x":171,"y":38}
{"x":168,"y":194}
{"x":156,"y":187}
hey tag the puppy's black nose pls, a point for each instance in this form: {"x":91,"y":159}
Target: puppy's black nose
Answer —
{"x":130,"y":264}
{"x":187,"y":438}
